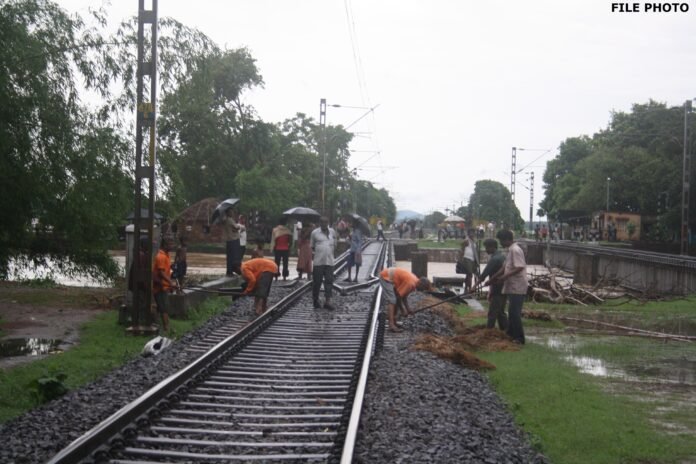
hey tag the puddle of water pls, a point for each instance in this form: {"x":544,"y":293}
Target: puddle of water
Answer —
{"x":28,"y":347}
{"x":660,"y":370}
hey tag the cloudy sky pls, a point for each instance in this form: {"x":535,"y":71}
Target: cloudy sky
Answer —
{"x":458,"y":83}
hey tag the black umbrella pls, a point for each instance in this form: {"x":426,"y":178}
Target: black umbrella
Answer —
{"x":303,"y":214}
{"x":359,"y":222}
{"x":222,"y":208}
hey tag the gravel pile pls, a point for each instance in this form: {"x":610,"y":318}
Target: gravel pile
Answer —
{"x":422,"y":409}
{"x":418,"y":408}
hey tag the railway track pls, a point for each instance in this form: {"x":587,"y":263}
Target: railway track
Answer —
{"x":285,"y":387}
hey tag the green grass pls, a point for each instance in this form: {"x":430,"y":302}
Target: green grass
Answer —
{"x":450,"y":243}
{"x":574,"y":417}
{"x":572,"y":420}
{"x":103,"y":346}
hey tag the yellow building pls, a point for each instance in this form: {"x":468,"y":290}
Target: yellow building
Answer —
{"x":626,"y":225}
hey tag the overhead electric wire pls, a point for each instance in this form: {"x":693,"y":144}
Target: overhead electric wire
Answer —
{"x":360,"y":73}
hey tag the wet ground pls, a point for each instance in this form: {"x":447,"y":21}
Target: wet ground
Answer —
{"x":660,"y":372}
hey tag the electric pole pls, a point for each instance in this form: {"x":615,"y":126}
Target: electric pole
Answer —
{"x":145,"y":123}
{"x":322,"y":151}
{"x":685,"y":183}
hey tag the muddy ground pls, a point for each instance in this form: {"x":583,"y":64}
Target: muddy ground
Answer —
{"x":57,"y":313}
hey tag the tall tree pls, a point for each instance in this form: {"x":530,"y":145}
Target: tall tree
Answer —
{"x":62,"y":183}
{"x":492,"y":201}
{"x":635,"y":163}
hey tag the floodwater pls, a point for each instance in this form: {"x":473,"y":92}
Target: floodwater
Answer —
{"x":28,"y":347}
{"x":656,"y":372}
{"x":49,"y":271}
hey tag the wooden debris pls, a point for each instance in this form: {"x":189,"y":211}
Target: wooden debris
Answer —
{"x":549,"y":288}
{"x":538,"y":315}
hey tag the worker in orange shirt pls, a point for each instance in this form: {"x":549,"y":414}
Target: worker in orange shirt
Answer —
{"x":259,"y":274}
{"x":162,"y":281}
{"x":397,"y":284}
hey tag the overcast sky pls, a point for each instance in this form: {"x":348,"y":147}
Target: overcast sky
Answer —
{"x":458,"y":82}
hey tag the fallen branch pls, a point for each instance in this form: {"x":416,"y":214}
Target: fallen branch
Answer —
{"x":649,"y":333}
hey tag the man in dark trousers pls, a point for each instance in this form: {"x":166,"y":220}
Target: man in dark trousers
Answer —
{"x":258,"y":274}
{"x":496,"y":299}
{"x":513,"y":276}
{"x":162,"y":282}
{"x":323,"y":243}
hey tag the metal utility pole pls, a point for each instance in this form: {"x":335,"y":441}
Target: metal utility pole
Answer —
{"x":322,"y":151}
{"x":513,"y":173}
{"x":685,"y":183}
{"x":144,"y":169}
{"x":531,"y":200}
{"x":608,"y":180}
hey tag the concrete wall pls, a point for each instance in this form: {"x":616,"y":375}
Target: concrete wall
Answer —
{"x":180,"y":304}
{"x":644,"y":273}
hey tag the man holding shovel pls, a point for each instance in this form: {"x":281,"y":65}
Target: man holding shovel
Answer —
{"x":496,"y":299}
{"x":397,"y":284}
{"x":513,"y":276}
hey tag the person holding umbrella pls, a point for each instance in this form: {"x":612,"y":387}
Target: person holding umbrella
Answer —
{"x":304,"y":251}
{"x":231,"y":234}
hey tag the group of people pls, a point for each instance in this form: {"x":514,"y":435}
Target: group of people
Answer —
{"x":315,"y":249}
{"x":507,"y":281}
{"x":504,"y":275}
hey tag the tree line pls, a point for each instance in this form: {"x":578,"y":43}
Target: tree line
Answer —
{"x":636,"y":163}
{"x":67,"y":100}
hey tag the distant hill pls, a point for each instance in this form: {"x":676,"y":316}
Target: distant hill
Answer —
{"x":408,"y":214}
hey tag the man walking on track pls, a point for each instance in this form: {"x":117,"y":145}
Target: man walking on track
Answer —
{"x":380,"y":230}
{"x":323,"y":243}
{"x":258,"y":274}
{"x":397,"y":284}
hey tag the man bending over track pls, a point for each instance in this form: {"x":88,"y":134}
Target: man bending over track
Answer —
{"x":397,"y":284}
{"x":259,"y":274}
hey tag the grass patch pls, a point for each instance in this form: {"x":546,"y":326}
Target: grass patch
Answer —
{"x":449,"y":243}
{"x":570,"y":418}
{"x":574,"y":417}
{"x":104,"y":345}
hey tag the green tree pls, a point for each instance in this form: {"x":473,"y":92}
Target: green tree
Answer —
{"x":433,"y":219}
{"x":207,"y":135}
{"x":640,"y":152}
{"x":62,"y":184}
{"x":492,"y":201}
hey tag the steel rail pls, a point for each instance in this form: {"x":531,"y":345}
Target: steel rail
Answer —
{"x":358,"y":399}
{"x":94,"y":442}
{"x":88,"y":443}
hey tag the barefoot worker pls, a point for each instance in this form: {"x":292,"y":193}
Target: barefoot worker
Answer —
{"x":397,"y":284}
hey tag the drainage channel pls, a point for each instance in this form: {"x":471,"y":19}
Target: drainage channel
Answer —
{"x":283,"y":391}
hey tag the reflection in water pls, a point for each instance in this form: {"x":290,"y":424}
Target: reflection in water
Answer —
{"x":28,"y":347}
{"x":673,"y":371}
{"x":51,"y":271}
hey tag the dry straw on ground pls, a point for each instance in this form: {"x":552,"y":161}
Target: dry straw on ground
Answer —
{"x":458,"y":348}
